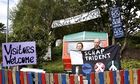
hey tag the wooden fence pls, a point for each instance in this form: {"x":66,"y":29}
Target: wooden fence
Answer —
{"x":107,"y":77}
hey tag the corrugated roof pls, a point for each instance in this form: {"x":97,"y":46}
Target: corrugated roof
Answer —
{"x":85,"y":35}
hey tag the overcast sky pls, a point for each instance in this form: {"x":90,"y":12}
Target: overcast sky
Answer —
{"x":3,"y":9}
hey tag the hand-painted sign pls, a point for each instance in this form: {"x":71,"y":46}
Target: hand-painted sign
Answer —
{"x":77,"y":19}
{"x":99,"y":60}
{"x":18,"y":53}
{"x":115,"y":15}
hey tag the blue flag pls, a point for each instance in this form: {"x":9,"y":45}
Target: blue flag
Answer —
{"x":115,"y":15}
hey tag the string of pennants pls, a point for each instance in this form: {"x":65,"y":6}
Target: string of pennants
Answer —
{"x":107,"y":77}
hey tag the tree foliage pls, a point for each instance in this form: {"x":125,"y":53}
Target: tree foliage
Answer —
{"x":32,"y":19}
{"x":2,"y":38}
{"x":2,"y":27}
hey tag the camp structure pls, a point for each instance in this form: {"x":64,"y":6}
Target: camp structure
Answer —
{"x":86,"y":37}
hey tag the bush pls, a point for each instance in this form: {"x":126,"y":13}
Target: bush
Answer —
{"x":130,"y":64}
{"x":57,"y":52}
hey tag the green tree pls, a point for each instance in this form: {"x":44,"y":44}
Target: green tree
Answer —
{"x":32,"y":19}
{"x":29,"y":24}
{"x":2,"y":38}
{"x":2,"y":27}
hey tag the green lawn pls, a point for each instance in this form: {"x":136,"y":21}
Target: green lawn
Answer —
{"x":57,"y":66}
{"x":54,"y":66}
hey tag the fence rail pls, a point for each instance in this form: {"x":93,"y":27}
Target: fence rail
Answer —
{"x":107,"y":77}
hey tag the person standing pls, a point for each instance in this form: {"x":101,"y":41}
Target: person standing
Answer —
{"x":97,"y":43}
{"x":79,"y":46}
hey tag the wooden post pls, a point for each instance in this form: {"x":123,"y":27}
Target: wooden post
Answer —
{"x":39,"y":78}
{"x":59,"y":78}
{"x":101,"y":77}
{"x":21,"y":77}
{"x":17,"y":77}
{"x":51,"y":79}
{"x":0,"y":76}
{"x":25,"y":78}
{"x":107,"y":77}
{"x":30,"y":78}
{"x":36,"y":78}
{"x":96,"y":78}
{"x":64,"y":79}
{"x":111,"y":77}
{"x":92,"y":78}
{"x":104,"y":77}
{"x":88,"y":78}
{"x":14,"y":77}
{"x":115,"y":76}
{"x":47,"y":78}
{"x":71,"y":79}
{"x":43,"y":78}
{"x":131,"y":76}
{"x":55,"y":78}
{"x":118,"y":77}
{"x":135,"y":76}
{"x":81,"y":79}
{"x":126,"y":77}
{"x":67,"y":79}
{"x":76,"y":79}
{"x":122,"y":76}
{"x":10,"y":77}
{"x":138,"y":73}
{"x":6,"y":76}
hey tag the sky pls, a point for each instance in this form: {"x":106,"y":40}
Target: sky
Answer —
{"x":3,"y":10}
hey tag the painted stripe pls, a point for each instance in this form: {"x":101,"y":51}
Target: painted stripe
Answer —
{"x":138,"y":71}
{"x":30,"y":78}
{"x":3,"y":77}
{"x":101,"y":77}
{"x":107,"y":77}
{"x":6,"y":76}
{"x":0,"y":76}
{"x":47,"y":75}
{"x":126,"y":78}
{"x":43,"y":78}
{"x":81,"y":79}
{"x":71,"y":79}
{"x":88,"y":78}
{"x":114,"y":76}
{"x":131,"y":76}
{"x":92,"y":78}
{"x":10,"y":77}
{"x":36,"y":78}
{"x":64,"y":79}
{"x":55,"y":78}
{"x":122,"y":76}
{"x":21,"y":77}
{"x":39,"y":78}
{"x":111,"y":77}
{"x":27,"y":78}
{"x":14,"y":76}
{"x":17,"y":77}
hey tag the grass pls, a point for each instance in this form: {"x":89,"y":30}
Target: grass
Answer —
{"x":54,"y":67}
{"x":57,"y":66}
